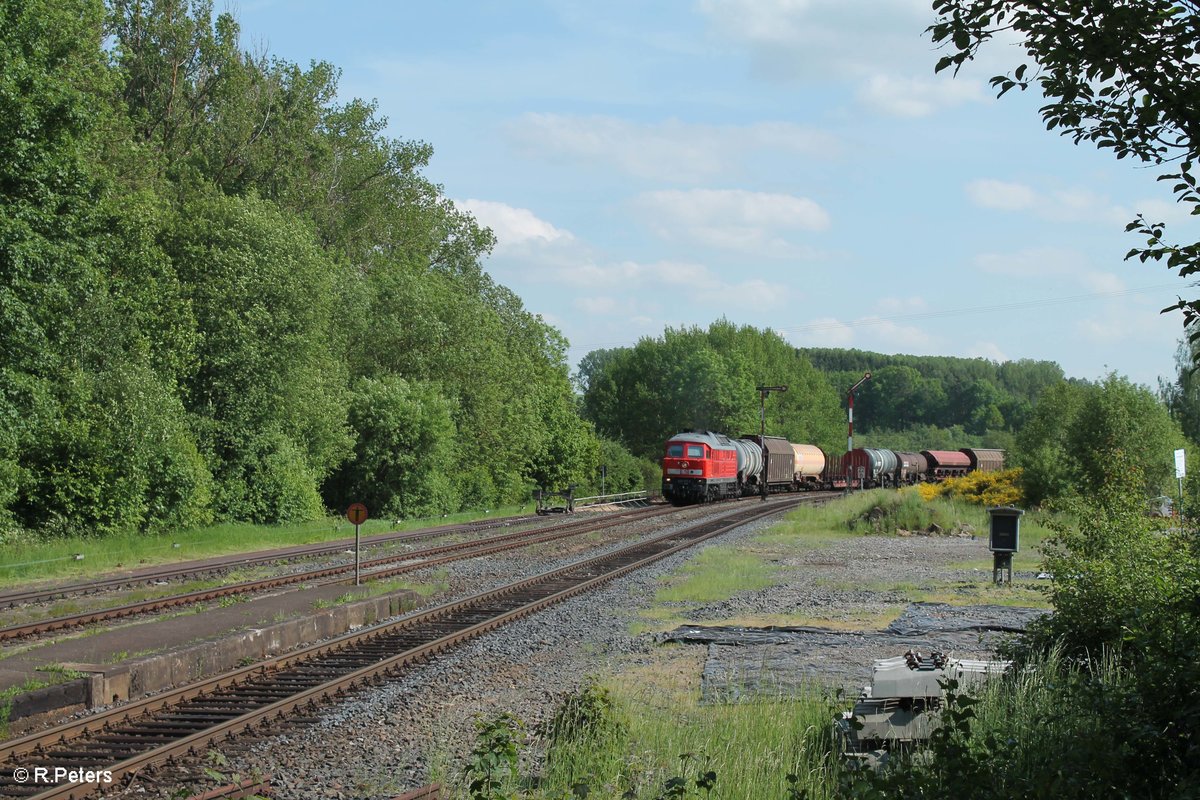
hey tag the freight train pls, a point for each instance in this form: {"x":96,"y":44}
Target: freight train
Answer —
{"x":699,"y":466}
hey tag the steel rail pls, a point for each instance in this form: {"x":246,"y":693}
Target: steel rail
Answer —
{"x":544,"y":590}
{"x":206,"y":566}
{"x":460,"y":550}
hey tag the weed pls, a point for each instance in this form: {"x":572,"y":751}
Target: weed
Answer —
{"x":230,"y":600}
{"x":493,"y":762}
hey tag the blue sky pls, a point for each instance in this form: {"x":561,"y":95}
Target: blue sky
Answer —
{"x":788,"y":164}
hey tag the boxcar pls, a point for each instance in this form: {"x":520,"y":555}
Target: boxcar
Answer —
{"x":985,"y":460}
{"x":781,"y":461}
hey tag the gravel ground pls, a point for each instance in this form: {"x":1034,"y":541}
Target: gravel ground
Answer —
{"x":379,"y":744}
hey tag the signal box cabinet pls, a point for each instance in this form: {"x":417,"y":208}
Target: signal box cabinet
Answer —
{"x":1005,"y":534}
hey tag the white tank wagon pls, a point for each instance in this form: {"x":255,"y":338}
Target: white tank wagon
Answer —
{"x":810,"y":463}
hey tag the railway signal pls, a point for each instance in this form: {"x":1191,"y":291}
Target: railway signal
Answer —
{"x":357,"y":513}
{"x":850,"y":410}
{"x":763,"y":391}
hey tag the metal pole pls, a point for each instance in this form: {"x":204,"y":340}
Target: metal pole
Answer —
{"x":850,"y":421}
{"x":357,"y":557}
{"x":850,"y":411}
{"x":1181,"y":502}
{"x":763,"y":391}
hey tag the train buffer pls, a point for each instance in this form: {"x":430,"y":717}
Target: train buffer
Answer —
{"x":546,"y":501}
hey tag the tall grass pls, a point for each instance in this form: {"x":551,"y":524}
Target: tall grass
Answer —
{"x":662,"y":732}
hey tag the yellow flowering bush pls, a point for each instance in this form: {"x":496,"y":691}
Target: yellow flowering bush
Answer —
{"x":982,"y":488}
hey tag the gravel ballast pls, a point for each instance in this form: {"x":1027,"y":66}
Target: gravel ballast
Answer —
{"x":380,"y":743}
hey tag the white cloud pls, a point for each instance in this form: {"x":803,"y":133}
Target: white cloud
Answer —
{"x":872,"y":46}
{"x":1104,"y":331}
{"x":1001,"y":195}
{"x":814,"y":39}
{"x":917,"y":97}
{"x":1072,"y":204}
{"x":513,"y":226}
{"x":872,"y":332}
{"x":893,"y":305}
{"x":1038,"y":262}
{"x":1103,"y":282}
{"x":732,"y":219}
{"x":1153,"y":210}
{"x":988,"y":350}
{"x":670,"y":150}
{"x":891,"y":336}
{"x":598,"y":305}
{"x":822,"y":332}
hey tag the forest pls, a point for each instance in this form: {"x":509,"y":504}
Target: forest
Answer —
{"x":227,"y":295}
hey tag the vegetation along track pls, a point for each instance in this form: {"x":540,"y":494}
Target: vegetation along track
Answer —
{"x":208,"y":566}
{"x":125,"y":740}
{"x":376,"y":569}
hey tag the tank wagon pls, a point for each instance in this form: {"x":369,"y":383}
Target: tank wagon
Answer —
{"x":809,"y":465}
{"x":878,"y":466}
{"x":699,"y":466}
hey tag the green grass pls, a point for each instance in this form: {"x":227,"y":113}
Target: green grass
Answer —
{"x":717,"y":574}
{"x":30,"y":559}
{"x":721,"y":571}
{"x":659,"y":730}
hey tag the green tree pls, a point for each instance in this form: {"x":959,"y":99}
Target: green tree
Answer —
{"x":268,"y":391}
{"x":1121,"y":74}
{"x":95,"y":334}
{"x":1079,"y":431}
{"x":1182,"y":395}
{"x":705,"y":379}
{"x":403,"y":459}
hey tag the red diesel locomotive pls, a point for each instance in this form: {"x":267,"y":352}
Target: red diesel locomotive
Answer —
{"x":700,"y":466}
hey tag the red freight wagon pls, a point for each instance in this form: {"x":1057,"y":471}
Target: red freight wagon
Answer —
{"x":946,"y":463}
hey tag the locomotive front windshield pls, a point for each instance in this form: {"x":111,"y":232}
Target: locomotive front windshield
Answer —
{"x":678,"y":450}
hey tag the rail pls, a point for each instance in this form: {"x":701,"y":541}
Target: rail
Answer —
{"x":125,"y":740}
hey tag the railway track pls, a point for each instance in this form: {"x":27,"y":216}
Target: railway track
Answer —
{"x":126,"y":740}
{"x":375,"y":569}
{"x":201,"y":567}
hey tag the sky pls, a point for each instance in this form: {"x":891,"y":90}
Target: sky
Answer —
{"x":787,"y":164}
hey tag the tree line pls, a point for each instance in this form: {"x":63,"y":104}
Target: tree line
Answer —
{"x":1066,"y":434}
{"x":228,"y":295}
{"x":975,"y":394}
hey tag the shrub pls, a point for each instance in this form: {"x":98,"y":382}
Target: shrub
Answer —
{"x":982,"y":488}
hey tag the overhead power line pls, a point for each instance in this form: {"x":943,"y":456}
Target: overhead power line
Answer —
{"x":954,"y":312}
{"x":950,"y":312}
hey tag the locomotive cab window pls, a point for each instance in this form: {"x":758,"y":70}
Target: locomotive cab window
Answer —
{"x":695,"y":451}
{"x":675,"y":450}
